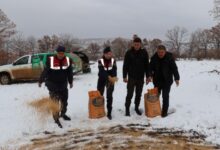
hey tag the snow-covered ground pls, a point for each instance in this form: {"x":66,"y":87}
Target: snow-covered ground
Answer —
{"x":196,"y":100}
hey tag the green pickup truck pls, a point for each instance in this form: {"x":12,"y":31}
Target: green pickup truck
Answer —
{"x":29,"y":67}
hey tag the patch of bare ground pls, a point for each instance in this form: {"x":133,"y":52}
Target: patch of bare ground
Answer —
{"x":131,"y":136}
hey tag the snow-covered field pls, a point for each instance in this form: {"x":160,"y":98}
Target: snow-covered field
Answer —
{"x":196,"y":100}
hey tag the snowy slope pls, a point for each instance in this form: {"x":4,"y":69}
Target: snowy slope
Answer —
{"x":196,"y":100}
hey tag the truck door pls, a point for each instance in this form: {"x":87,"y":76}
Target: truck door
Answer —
{"x":37,"y":66}
{"x":22,"y":68}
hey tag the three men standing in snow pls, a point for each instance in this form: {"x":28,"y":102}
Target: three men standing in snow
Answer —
{"x":136,"y":67}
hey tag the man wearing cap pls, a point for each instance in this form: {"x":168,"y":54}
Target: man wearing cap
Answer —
{"x":107,"y":77}
{"x":56,"y":75}
{"x":135,"y":68}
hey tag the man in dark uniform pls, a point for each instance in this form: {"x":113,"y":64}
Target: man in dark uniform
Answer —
{"x":162,"y":69}
{"x":136,"y":68}
{"x":107,"y":77}
{"x":56,"y":75}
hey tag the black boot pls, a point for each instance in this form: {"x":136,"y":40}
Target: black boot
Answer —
{"x":164,"y":113}
{"x":65,"y":117}
{"x":127,"y":113}
{"x":57,"y":121}
{"x":138,"y":111}
{"x":109,"y":114}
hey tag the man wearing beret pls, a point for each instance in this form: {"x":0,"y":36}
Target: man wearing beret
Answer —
{"x":107,"y":77}
{"x":56,"y":75}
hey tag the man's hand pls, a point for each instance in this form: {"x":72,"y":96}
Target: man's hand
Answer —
{"x":71,"y":85}
{"x":125,"y":80}
{"x":112,"y":80}
{"x":39,"y":84}
{"x":148,"y":80}
{"x":177,"y":82}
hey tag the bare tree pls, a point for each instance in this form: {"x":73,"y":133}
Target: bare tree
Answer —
{"x":44,"y":44}
{"x":69,"y":42}
{"x":215,"y":34}
{"x":93,"y":51}
{"x":176,"y":37}
{"x":216,"y":10}
{"x":54,"y":41}
{"x":204,"y":40}
{"x":145,"y":42}
{"x":19,"y":45}
{"x":119,"y":47}
{"x":32,"y":44}
{"x":7,"y":27}
{"x":1,"y":44}
{"x":193,"y":44}
{"x":153,"y":46}
{"x":107,"y":43}
{"x":200,"y":41}
{"x":3,"y":57}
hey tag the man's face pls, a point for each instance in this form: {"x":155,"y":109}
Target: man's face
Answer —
{"x":60,"y":55}
{"x":108,"y":55}
{"x":161,"y":53}
{"x":137,"y":45}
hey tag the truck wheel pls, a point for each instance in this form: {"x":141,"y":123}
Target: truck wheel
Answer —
{"x":5,"y":79}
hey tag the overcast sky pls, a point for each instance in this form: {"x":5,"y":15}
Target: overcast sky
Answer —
{"x":107,"y":18}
